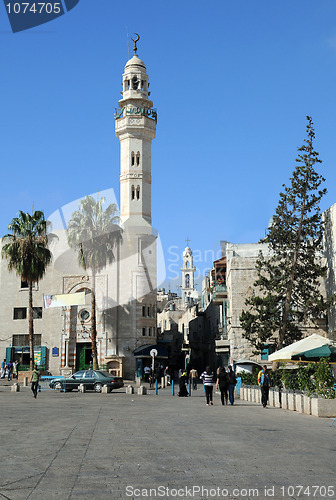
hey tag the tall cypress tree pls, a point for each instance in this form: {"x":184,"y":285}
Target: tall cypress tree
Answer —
{"x":288,"y":288}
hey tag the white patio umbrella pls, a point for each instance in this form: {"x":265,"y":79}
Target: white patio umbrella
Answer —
{"x":305,"y":344}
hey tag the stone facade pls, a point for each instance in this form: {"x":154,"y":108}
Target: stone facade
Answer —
{"x":241,"y":274}
{"x":329,"y":244}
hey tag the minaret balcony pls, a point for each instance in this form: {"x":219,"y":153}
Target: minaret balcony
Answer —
{"x":135,"y":94}
{"x":140,"y":126}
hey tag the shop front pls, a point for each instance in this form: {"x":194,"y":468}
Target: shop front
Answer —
{"x":144,"y":358}
{"x":22,"y":355}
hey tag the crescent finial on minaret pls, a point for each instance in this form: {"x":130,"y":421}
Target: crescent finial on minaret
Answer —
{"x":135,"y":42}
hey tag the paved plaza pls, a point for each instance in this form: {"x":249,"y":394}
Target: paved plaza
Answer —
{"x":119,"y":446}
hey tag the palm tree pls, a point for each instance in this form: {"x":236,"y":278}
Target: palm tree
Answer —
{"x":27,"y":252}
{"x":95,"y":234}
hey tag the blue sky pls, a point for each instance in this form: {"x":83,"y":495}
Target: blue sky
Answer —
{"x":232,"y":82}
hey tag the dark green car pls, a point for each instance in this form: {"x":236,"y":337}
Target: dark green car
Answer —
{"x":92,"y":380}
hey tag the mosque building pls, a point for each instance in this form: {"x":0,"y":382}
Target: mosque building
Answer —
{"x":125,"y":290}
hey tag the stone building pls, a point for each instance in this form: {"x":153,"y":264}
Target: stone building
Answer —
{"x":241,"y":275}
{"x":125,"y":290}
{"x":329,"y":245}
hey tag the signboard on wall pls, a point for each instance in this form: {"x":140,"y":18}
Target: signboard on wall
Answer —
{"x":37,"y":356}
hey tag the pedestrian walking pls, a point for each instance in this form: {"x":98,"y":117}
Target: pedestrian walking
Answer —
{"x":231,"y":384}
{"x":15,"y":369}
{"x":9,"y":370}
{"x":158,"y":372}
{"x":183,"y":392}
{"x":147,"y":371}
{"x":264,"y":381}
{"x":207,"y":378}
{"x":35,"y":381}
{"x":193,"y":376}
{"x":167,"y":374}
{"x":3,"y":368}
{"x":222,"y":384}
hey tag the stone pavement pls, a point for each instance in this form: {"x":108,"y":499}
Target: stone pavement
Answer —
{"x":117,"y":446}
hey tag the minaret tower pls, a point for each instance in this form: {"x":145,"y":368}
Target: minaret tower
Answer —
{"x":188,"y":272}
{"x":135,"y":125}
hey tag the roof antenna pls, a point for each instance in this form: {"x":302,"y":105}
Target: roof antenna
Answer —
{"x":135,"y":42}
{"x":127,"y":42}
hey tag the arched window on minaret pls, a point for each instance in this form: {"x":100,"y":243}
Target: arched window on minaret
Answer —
{"x":132,"y":159}
{"x":135,"y":83}
{"x":138,"y":192}
{"x":187,"y":263}
{"x":138,"y":158}
{"x":187,"y":280}
{"x":132,"y":193}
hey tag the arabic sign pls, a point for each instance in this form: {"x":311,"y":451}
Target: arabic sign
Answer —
{"x":136,"y":110}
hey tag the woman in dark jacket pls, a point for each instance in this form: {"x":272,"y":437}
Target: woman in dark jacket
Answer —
{"x":231,"y":384}
{"x":222,"y":383}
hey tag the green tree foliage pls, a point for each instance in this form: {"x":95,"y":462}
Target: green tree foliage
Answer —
{"x":94,"y":233}
{"x":324,"y":379}
{"x":26,"y":250}
{"x":306,"y":380}
{"x":290,"y":379}
{"x":313,"y":378}
{"x":287,"y":289}
{"x":249,"y":378}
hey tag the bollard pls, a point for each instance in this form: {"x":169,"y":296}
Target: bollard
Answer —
{"x":15,"y":387}
{"x":163,"y":382}
{"x":189,"y":387}
{"x":138,"y":381}
{"x":299,"y":403}
{"x":142,"y":390}
{"x":106,"y":389}
{"x":172,"y":384}
{"x":156,"y":387}
{"x":25,"y":381}
{"x":129,"y":389}
{"x":81,"y":388}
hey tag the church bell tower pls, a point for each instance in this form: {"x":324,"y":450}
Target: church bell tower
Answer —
{"x":188,"y":272}
{"x":135,"y":125}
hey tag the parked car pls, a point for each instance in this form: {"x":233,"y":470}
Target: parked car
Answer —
{"x":92,"y":380}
